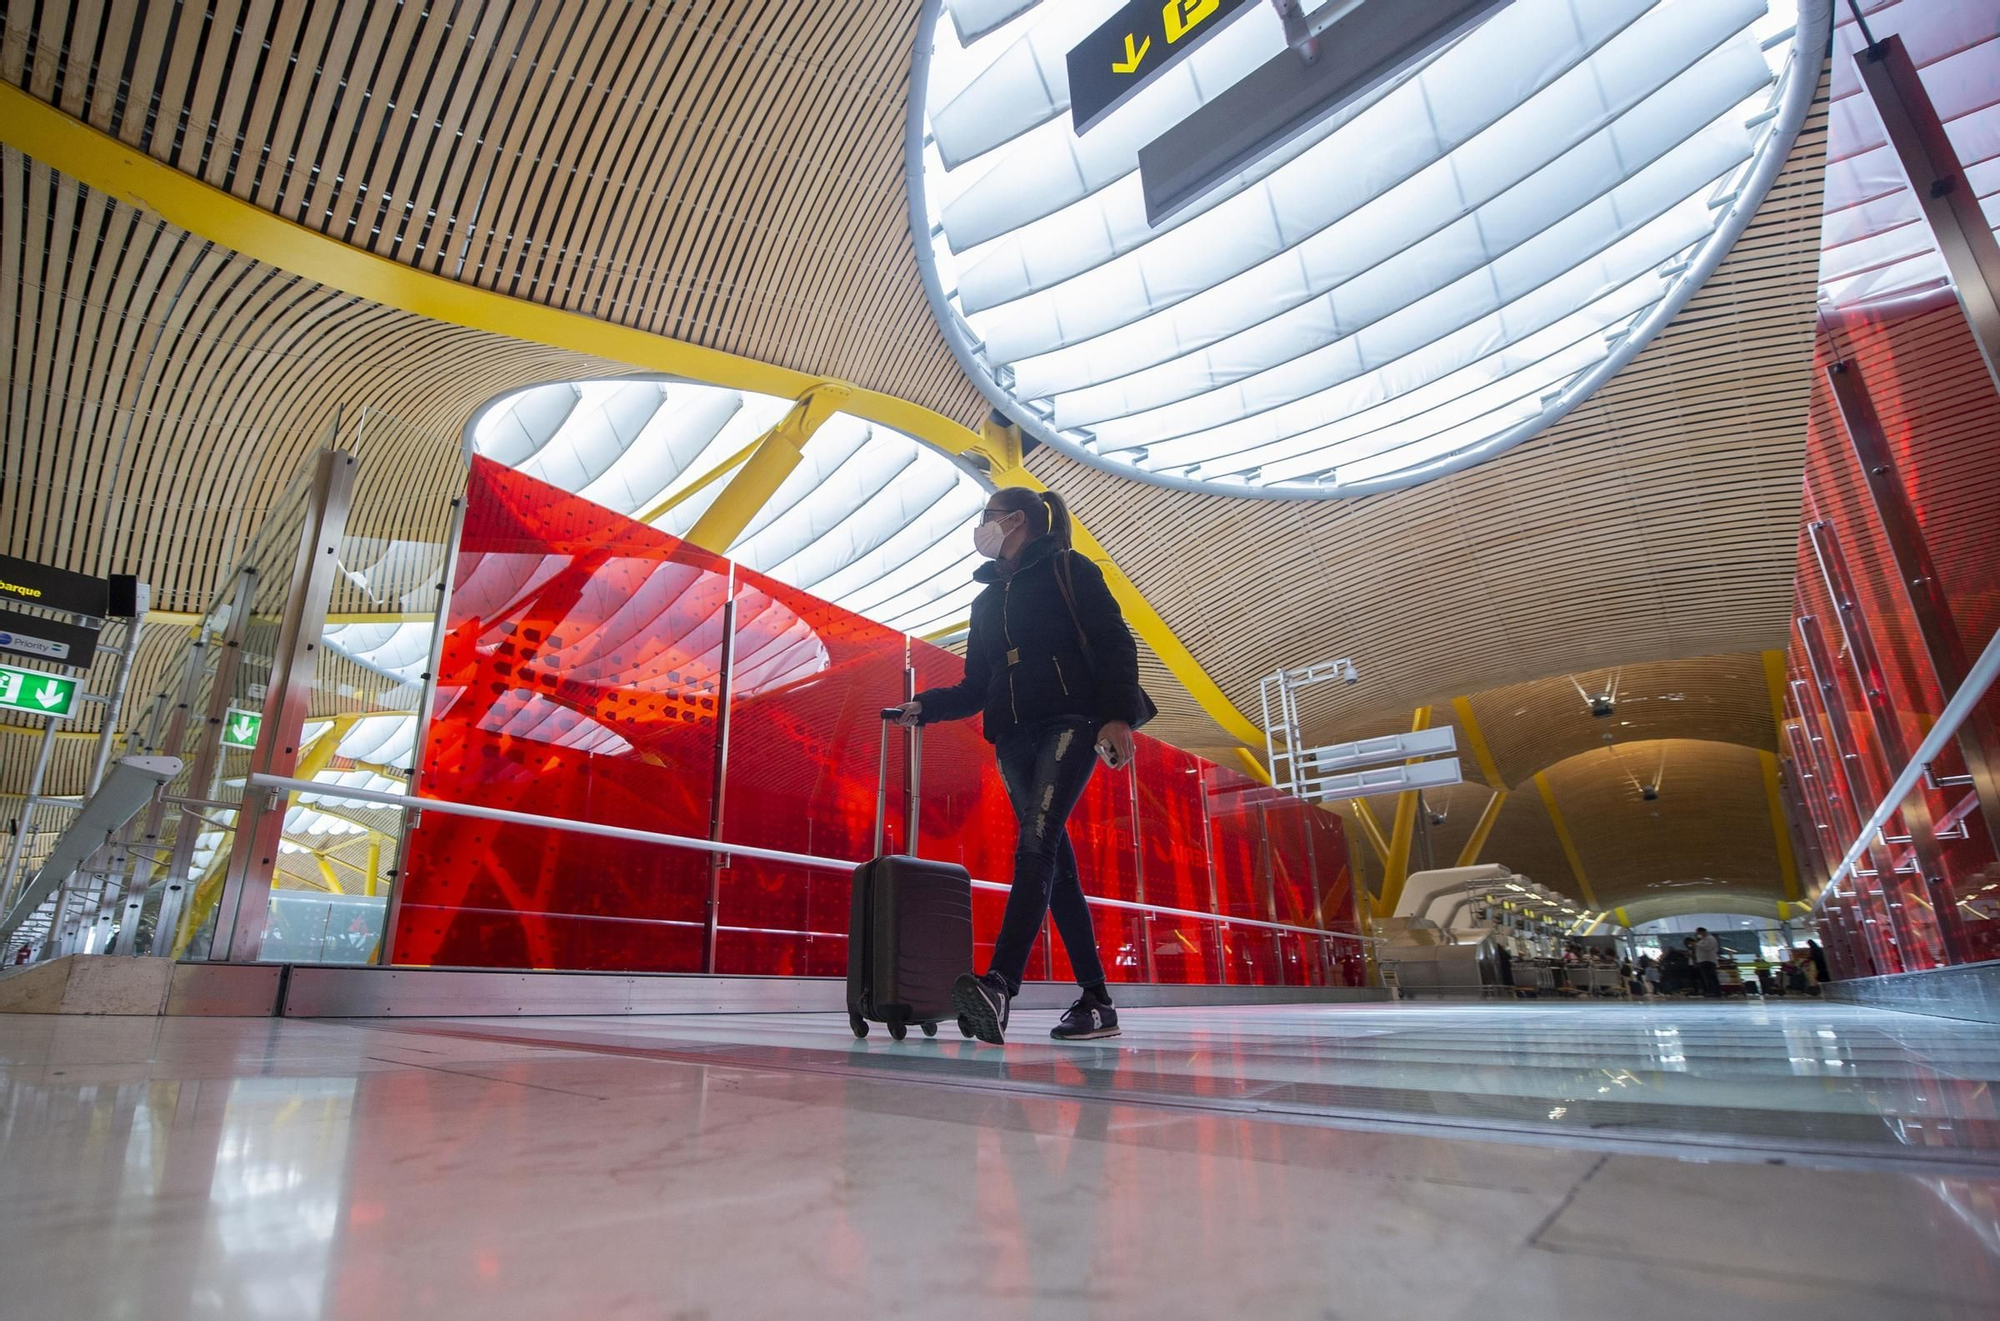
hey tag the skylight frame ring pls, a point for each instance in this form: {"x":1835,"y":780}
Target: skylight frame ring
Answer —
{"x":1812,"y":37}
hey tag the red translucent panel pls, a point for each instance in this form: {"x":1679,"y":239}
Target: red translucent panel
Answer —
{"x":1919,"y":370}
{"x":578,"y":679}
{"x":583,"y":677}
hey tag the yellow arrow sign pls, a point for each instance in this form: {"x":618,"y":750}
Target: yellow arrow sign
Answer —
{"x":1132,"y":56}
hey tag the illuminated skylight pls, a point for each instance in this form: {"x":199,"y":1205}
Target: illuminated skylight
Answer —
{"x":1419,"y":281}
{"x":871,"y":519}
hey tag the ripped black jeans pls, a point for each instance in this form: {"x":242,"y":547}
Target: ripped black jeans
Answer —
{"x":1045,"y":768}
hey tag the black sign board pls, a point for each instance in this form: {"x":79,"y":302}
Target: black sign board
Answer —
{"x":47,"y":639}
{"x":1136,"y":45}
{"x":52,"y":588}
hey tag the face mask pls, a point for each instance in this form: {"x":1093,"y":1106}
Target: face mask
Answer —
{"x":987,"y":539}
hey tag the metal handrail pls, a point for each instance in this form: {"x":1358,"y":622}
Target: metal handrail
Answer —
{"x":1977,"y":681}
{"x":501,"y":814}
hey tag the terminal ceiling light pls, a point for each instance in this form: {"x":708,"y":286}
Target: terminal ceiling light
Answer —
{"x":1432,"y":272}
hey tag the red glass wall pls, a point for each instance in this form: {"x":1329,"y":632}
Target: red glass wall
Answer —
{"x":1864,"y":685}
{"x":588,"y":661}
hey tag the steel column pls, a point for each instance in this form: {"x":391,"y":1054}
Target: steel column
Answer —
{"x":719,"y":862}
{"x":1872,"y":678}
{"x":18,"y":848}
{"x":246,"y":894}
{"x":1944,"y":645}
{"x":1949,"y":202}
{"x":115,"y":706}
{"x":178,"y":884}
{"x":1834,"y":707}
{"x":426,"y":704}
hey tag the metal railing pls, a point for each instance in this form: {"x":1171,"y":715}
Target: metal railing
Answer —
{"x":338,"y":793}
{"x":1977,"y":681}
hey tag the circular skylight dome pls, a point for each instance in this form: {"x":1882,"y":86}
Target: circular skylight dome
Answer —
{"x":1432,"y":270}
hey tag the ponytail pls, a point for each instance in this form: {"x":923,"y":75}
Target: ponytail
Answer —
{"x":1058,"y":517}
{"x":1048,"y":513}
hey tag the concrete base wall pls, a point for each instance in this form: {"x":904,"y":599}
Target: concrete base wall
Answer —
{"x":110,"y":984}
{"x":322,"y":992}
{"x":1970,"y":992}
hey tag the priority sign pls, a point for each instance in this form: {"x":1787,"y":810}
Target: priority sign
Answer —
{"x":43,"y":694}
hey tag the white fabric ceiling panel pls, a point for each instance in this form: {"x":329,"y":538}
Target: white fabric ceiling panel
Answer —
{"x":1535,"y":169}
{"x":866,"y":514}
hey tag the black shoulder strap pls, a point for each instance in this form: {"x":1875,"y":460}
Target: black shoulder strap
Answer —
{"x":1063,"y":581}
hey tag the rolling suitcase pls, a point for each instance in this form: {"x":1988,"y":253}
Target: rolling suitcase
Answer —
{"x":909,"y":932}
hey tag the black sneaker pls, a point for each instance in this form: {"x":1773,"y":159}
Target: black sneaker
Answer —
{"x":1089,"y":1019}
{"x":983,"y":1004}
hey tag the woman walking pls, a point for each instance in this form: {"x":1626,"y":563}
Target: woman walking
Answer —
{"x":1053,"y":673}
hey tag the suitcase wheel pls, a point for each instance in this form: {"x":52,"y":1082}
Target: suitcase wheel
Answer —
{"x":859,"y":1024}
{"x":930,"y":1029}
{"x":964,"y":1028}
{"x":897,"y":1030}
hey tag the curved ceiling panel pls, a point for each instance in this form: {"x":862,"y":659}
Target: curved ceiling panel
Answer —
{"x":871,"y":519}
{"x":1422,"y":278}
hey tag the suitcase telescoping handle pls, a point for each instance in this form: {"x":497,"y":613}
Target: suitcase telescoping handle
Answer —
{"x":890,"y":714}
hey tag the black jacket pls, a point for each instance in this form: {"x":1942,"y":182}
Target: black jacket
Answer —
{"x":1023,"y":662}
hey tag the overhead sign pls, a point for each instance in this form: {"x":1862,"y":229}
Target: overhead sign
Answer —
{"x":43,"y":694}
{"x":47,"y":639}
{"x":53,"y":588}
{"x":1136,"y":45}
{"x":239,"y":728}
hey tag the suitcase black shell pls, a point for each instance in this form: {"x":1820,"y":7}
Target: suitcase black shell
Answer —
{"x":909,"y":926}
{"x":909,"y":939}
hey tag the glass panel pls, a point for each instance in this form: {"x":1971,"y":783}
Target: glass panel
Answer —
{"x":579,"y":679}
{"x":806,"y":693}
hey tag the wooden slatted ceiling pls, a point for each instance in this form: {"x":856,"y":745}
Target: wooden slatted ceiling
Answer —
{"x":1662,"y":707}
{"x":728,"y":172}
{"x":1657,"y":521}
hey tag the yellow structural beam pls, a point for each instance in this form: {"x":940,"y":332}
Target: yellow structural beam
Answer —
{"x":666,"y":504}
{"x":44,"y":133}
{"x":1563,"y":837}
{"x":1774,"y":683}
{"x":1371,"y":829}
{"x":778,"y":452}
{"x":1469,"y":855}
{"x":1396,"y":867}
{"x":1476,"y":740}
{"x":1774,"y":798}
{"x":1252,"y":766}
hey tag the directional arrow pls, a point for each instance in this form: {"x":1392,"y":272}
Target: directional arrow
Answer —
{"x":241,"y":729}
{"x":49,"y":695}
{"x":1132,"y":56}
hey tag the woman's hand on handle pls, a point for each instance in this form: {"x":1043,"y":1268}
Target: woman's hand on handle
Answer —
{"x":1115,"y":745}
{"x":911,"y":711}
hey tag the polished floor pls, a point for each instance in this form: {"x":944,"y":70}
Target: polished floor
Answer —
{"x":1586,"y":1161}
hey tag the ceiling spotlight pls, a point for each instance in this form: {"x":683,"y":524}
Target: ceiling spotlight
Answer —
{"x":1651,"y":793}
{"x":1602,"y":707}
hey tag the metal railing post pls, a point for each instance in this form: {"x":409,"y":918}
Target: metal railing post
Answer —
{"x":176,"y":882}
{"x":413,"y":814}
{"x":246,"y":893}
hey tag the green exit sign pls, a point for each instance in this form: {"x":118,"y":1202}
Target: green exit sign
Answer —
{"x":239,"y":728}
{"x":31,"y":690}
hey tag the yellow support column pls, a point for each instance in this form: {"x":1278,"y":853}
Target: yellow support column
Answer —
{"x":1483,"y":757}
{"x":374,"y":867}
{"x":1469,"y":855}
{"x":1371,"y":829}
{"x":1396,"y":868}
{"x":1563,"y":838}
{"x":777,"y":453}
{"x":1781,"y":836}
